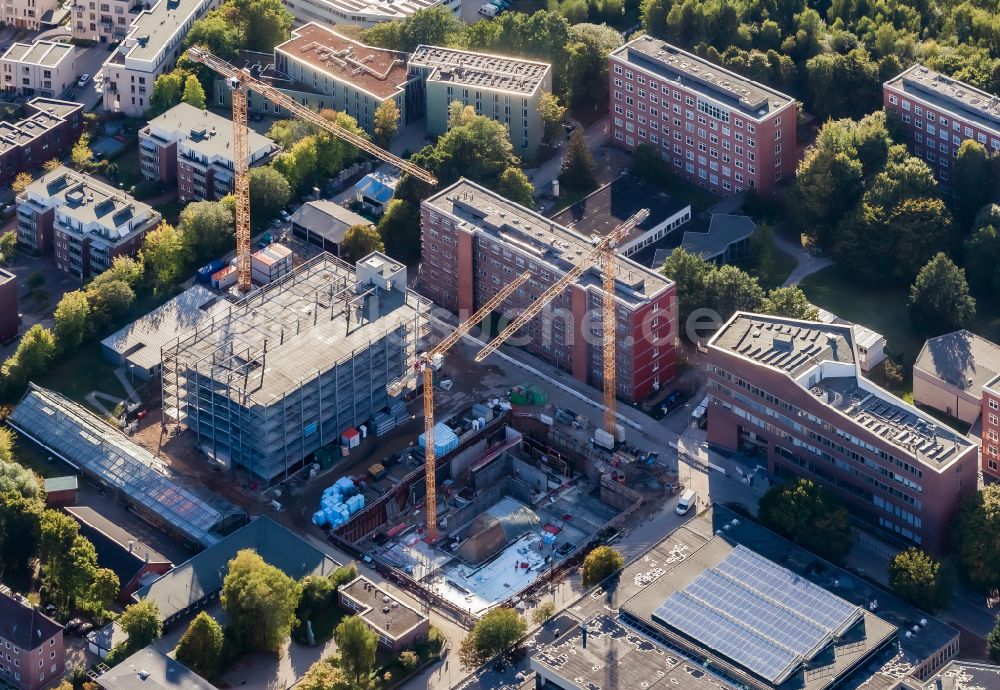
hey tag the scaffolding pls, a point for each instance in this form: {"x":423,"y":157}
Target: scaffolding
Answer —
{"x":291,"y":366}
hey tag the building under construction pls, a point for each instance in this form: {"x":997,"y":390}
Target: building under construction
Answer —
{"x":284,"y":371}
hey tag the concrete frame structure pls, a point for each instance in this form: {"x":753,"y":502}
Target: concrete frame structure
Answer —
{"x":991,"y":428}
{"x":34,"y":655}
{"x":474,"y":241}
{"x":951,"y":371}
{"x":151,"y":47}
{"x":384,"y":613}
{"x":720,"y":130}
{"x":289,"y":367}
{"x":793,"y":389}
{"x":502,"y":88}
{"x":26,"y":14}
{"x":44,"y":68}
{"x":10,"y":321}
{"x":346,"y":76}
{"x":49,"y":131}
{"x":360,"y":12}
{"x":940,"y":113}
{"x":90,"y":222}
{"x":194,"y":148}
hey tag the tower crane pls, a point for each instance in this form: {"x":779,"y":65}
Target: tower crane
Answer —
{"x":241,"y":81}
{"x":425,"y":363}
{"x":604,"y":254}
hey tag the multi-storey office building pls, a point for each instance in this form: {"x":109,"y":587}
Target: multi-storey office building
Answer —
{"x":33,"y":653}
{"x":293,"y":365}
{"x":43,"y":68}
{"x":361,"y":13}
{"x":793,"y":390}
{"x":88,"y":221}
{"x":28,"y":14}
{"x":940,"y":113}
{"x":718,"y":129}
{"x":151,"y":47}
{"x":991,"y":428}
{"x":194,"y":147}
{"x":104,"y":21}
{"x":345,"y":75}
{"x":475,"y":241}
{"x":49,"y":131}
{"x":505,"y":89}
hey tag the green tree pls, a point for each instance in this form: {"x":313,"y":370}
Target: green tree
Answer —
{"x":976,"y":533}
{"x":51,"y":165}
{"x":269,"y":192}
{"x":515,"y":185}
{"x":72,"y":320}
{"x":286,"y":133}
{"x":399,"y":228}
{"x":982,"y":261}
{"x":123,"y":268}
{"x":579,"y":171}
{"x":360,"y":241}
{"x":939,"y":297}
{"x":200,"y":648}
{"x":993,"y":643}
{"x":259,"y":601}
{"x":474,"y":147}
{"x":194,"y":94}
{"x":32,"y":357}
{"x":409,"y":660}
{"x":103,"y":592}
{"x":217,"y":33}
{"x":552,"y":113}
{"x":543,"y":612}
{"x":21,"y":182}
{"x":356,"y":645}
{"x":808,"y":515}
{"x":843,"y":85}
{"x":790,"y":302}
{"x":585,"y":74}
{"x":8,"y":245}
{"x":826,"y":185}
{"x":167,"y":91}
{"x":972,"y":179}
{"x":109,"y":300}
{"x":386,"y":122}
{"x":298,"y":164}
{"x":919,"y":579}
{"x":164,"y":255}
{"x":988,"y":215}
{"x":435,"y":26}
{"x":82,"y":156}
{"x":15,"y":478}
{"x":69,"y":561}
{"x":690,"y":273}
{"x":324,"y":675}
{"x":729,"y":290}
{"x":141,"y":622}
{"x":207,"y":229}
{"x":497,"y":631}
{"x":265,"y":23}
{"x":599,"y":564}
{"x":317,"y":595}
{"x":343,"y":575}
{"x":20,"y":525}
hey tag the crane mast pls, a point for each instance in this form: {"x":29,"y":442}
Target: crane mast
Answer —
{"x":241,"y":184}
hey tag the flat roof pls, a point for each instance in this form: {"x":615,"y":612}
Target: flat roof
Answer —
{"x":45,"y":53}
{"x":151,"y":669}
{"x":140,"y":342}
{"x":795,"y":348}
{"x":541,"y":239}
{"x":965,"y":675}
{"x":67,"y":483}
{"x":202,"y":131}
{"x":727,"y":88}
{"x":377,"y":10}
{"x":380,"y":609}
{"x":495,"y":72}
{"x":45,"y":114}
{"x":327,"y":218}
{"x":951,"y":95}
{"x":377,"y":71}
{"x":300,"y":323}
{"x":606,"y":208}
{"x":154,"y":28}
{"x":115,"y":534}
{"x":960,"y":358}
{"x":723,"y":231}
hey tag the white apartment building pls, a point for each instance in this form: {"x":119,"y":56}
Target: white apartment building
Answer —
{"x":27,"y":14}
{"x":38,"y":69}
{"x":103,"y":21}
{"x":152,"y":46}
{"x":361,"y":12}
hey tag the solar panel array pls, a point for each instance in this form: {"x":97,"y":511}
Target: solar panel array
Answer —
{"x":758,"y":614}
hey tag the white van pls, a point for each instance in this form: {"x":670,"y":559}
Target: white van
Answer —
{"x":687,"y":501}
{"x":488,"y":10}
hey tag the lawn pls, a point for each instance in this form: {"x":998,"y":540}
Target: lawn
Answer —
{"x":766,"y":262}
{"x":171,"y":211}
{"x":82,"y":373}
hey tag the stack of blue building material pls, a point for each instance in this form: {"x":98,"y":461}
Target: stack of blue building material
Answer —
{"x":382,"y":423}
{"x":338,"y":503}
{"x":445,"y":439}
{"x":398,"y":411}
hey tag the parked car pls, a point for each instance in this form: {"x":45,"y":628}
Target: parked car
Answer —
{"x":84,"y":78}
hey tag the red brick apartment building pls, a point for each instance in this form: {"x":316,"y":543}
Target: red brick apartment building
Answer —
{"x":31,"y":645}
{"x":940,"y":113}
{"x":793,"y":391}
{"x":475,"y":241}
{"x":48,"y":132}
{"x":720,"y":130}
{"x":991,"y":428}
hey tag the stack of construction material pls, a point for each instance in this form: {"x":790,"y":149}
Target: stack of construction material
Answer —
{"x":445,"y":439}
{"x":398,"y":411}
{"x":383,"y":423}
{"x":338,"y":504}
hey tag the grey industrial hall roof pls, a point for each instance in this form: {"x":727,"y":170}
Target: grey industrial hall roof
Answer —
{"x":479,"y":70}
{"x":327,"y":219}
{"x":87,"y":443}
{"x":23,"y":625}
{"x":203,"y":574}
{"x":541,"y":239}
{"x":723,"y":230}
{"x":117,"y":550}
{"x":606,"y":208}
{"x":382,"y":610}
{"x":151,"y":669}
{"x":960,"y":358}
